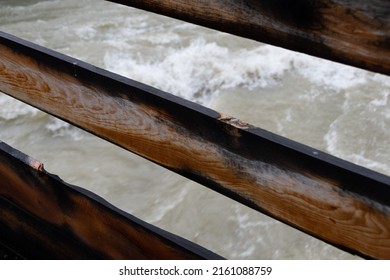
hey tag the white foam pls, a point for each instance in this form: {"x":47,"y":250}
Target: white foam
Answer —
{"x":86,"y":32}
{"x":199,"y":70}
{"x":59,"y":128}
{"x":11,"y":108}
{"x":360,"y":134}
{"x":329,"y":74}
{"x":382,"y":100}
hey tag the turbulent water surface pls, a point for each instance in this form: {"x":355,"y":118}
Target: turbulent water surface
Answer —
{"x":338,"y":109}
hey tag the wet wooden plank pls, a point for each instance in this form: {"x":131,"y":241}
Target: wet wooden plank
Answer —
{"x":43,"y":217}
{"x":351,"y":32}
{"x":7,"y":253}
{"x":341,"y":203}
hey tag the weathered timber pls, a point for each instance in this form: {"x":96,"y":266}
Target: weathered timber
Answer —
{"x":7,"y":253}
{"x":336,"y":201}
{"x":351,"y":32}
{"x":42,"y":217}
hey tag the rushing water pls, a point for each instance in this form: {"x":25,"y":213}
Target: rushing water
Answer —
{"x":335,"y":108}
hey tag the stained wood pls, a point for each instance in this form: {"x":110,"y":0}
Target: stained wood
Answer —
{"x":336,"y":201}
{"x":351,"y":32}
{"x":42,"y":217}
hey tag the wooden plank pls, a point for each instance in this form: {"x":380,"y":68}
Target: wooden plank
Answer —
{"x":336,"y":201}
{"x":7,"y":253}
{"x":43,"y":217}
{"x":351,"y":32}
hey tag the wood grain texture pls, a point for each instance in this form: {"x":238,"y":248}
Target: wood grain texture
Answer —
{"x":338,"y":202}
{"x":42,"y":217}
{"x":351,"y":32}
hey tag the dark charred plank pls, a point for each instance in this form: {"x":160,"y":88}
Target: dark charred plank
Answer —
{"x":43,"y":217}
{"x":7,"y":253}
{"x":351,"y":32}
{"x":336,"y":201}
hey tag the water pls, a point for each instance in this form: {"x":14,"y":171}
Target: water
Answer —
{"x":338,"y":109}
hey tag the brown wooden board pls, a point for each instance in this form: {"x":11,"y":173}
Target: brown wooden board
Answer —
{"x":355,"y":32}
{"x":333,"y":200}
{"x":42,"y":217}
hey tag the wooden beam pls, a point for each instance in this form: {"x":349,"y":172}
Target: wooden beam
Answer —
{"x":351,"y":32}
{"x":336,"y":201}
{"x":43,"y":217}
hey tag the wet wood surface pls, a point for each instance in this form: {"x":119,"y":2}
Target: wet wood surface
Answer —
{"x":42,"y":217}
{"x":336,"y":201}
{"x":351,"y":32}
